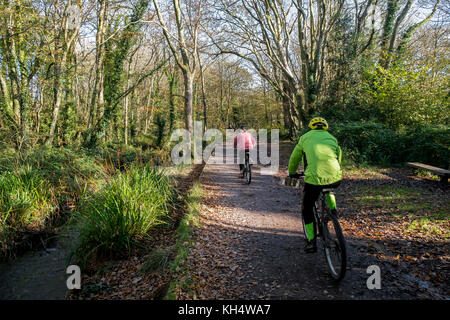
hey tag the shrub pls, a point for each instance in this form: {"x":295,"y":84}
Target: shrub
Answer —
{"x":374,"y":143}
{"x":366,"y":142}
{"x":144,"y":141}
{"x":410,"y":98}
{"x":122,"y":157}
{"x":426,"y":144}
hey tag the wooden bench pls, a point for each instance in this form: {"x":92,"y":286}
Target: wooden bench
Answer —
{"x":444,"y":174}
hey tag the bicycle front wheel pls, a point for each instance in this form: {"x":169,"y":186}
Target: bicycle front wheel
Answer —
{"x":334,"y":246}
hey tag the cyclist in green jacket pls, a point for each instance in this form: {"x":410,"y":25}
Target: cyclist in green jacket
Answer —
{"x":321,"y":155}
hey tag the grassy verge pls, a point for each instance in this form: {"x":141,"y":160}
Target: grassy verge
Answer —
{"x":182,"y":279}
{"x":40,"y":187}
{"x":424,"y":213}
{"x":37,"y":189}
{"x":147,"y":271}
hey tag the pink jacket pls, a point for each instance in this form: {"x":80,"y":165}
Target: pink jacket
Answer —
{"x":244,"y":140}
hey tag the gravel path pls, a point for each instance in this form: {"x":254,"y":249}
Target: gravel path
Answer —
{"x":249,"y":245}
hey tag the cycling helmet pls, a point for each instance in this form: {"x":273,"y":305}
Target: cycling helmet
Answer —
{"x":244,"y":127}
{"x":318,"y":123}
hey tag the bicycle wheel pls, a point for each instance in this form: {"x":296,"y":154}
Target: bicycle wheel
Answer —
{"x":247,"y":170}
{"x":334,"y":246}
{"x":248,"y":174}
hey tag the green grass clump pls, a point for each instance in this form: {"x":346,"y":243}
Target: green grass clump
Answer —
{"x":429,"y":226}
{"x":157,"y":260}
{"x":426,"y":174}
{"x":123,"y":212}
{"x":433,"y":223}
{"x":35,"y":182}
{"x":67,"y":170}
{"x":26,"y":201}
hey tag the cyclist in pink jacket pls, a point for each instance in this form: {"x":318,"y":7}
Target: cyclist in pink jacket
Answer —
{"x":244,"y":142}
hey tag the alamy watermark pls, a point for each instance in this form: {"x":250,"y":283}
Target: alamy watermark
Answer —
{"x":74,"y":280}
{"x":220,"y":148}
{"x":73,"y":17}
{"x":374,"y":280}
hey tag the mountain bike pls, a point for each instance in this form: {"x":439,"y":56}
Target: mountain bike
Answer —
{"x":327,"y":229}
{"x":247,"y":168}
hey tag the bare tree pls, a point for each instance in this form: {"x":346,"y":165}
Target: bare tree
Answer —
{"x":97,"y":97}
{"x":392,"y":22}
{"x":184,"y":46}
{"x":285,"y":42}
{"x":65,"y":35}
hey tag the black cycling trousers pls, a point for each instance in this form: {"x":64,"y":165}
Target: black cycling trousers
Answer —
{"x":310,"y":194}
{"x":241,"y":155}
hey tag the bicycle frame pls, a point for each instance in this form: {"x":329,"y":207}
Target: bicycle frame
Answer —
{"x":327,"y":200}
{"x":247,"y":160}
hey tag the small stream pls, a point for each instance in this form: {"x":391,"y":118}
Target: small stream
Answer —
{"x":36,"y":275}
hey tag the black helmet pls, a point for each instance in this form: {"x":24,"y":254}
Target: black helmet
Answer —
{"x":244,"y":127}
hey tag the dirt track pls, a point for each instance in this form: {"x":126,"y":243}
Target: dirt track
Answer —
{"x":250,"y":246}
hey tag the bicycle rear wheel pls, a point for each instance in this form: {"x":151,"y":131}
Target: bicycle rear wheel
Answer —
{"x":334,"y":246}
{"x":247,"y":169}
{"x":248,"y":174}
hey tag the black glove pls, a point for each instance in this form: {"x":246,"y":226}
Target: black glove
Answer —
{"x":297,"y":175}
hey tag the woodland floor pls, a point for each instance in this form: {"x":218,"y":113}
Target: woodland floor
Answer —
{"x":248,"y":242}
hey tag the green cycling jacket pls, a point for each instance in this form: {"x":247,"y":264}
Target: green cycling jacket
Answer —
{"x":323,"y":157}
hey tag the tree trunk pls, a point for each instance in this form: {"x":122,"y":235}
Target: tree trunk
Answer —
{"x":97,"y":98}
{"x":172,"y":91}
{"x":149,"y":106}
{"x":57,"y":89}
{"x":205,"y":122}
{"x":125,"y":130}
{"x":189,"y":96}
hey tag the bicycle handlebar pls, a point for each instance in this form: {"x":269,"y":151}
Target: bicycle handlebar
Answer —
{"x":297,"y":175}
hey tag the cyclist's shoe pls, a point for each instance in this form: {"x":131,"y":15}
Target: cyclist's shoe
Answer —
{"x":311,"y":246}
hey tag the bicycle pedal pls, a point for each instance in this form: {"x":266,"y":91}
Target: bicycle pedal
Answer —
{"x":311,"y":250}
